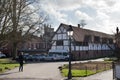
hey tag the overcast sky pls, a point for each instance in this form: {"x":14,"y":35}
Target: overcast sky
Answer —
{"x":100,"y":15}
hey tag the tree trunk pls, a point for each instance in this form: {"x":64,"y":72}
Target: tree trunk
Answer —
{"x":14,"y":52}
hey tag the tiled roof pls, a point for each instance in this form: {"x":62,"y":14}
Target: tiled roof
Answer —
{"x":79,"y":33}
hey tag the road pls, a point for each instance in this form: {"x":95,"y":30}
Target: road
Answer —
{"x":47,"y":71}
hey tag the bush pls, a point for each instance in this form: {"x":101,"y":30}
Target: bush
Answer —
{"x":0,"y":69}
{"x":7,"y":68}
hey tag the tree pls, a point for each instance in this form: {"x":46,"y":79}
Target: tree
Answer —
{"x":17,"y":22}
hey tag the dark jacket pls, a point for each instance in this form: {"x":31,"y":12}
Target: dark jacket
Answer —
{"x":21,"y":59}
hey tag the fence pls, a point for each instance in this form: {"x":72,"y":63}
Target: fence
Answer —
{"x":92,"y":67}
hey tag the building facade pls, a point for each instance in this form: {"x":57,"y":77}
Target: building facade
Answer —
{"x":86,"y":44}
{"x":39,"y":44}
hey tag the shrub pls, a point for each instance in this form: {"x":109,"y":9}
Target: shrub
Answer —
{"x":0,"y":69}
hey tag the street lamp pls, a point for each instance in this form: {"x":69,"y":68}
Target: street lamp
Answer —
{"x":70,"y":34}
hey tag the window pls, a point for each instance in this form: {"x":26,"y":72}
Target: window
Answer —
{"x":81,"y":43}
{"x":85,"y":43}
{"x":104,"y":40}
{"x":78,"y":43}
{"x":87,"y":38}
{"x":96,"y":39}
{"x":59,"y":43}
{"x":110,"y":41}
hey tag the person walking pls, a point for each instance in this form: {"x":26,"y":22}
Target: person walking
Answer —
{"x":21,"y":62}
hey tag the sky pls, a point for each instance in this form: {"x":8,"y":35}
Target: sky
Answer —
{"x":99,"y":15}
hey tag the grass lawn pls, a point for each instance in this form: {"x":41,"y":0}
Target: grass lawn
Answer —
{"x":86,"y":69}
{"x":7,"y":64}
{"x":77,"y":73}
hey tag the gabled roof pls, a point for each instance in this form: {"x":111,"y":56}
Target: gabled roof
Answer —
{"x":79,"y":33}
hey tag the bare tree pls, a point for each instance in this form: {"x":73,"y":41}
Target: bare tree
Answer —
{"x":82,"y":23}
{"x":17,"y":21}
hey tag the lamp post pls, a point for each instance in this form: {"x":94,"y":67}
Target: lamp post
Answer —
{"x":70,"y":33}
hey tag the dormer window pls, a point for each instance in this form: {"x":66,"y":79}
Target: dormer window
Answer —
{"x":87,"y":38}
{"x":96,"y":39}
{"x":110,"y":41}
{"x":104,"y":40}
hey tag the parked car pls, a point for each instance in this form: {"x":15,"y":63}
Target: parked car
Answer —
{"x":50,"y":58}
{"x":41,"y":57}
{"x":28,"y":57}
{"x":34,"y":57}
{"x":56,"y":57}
{"x":64,"y":57}
{"x":2,"y":55}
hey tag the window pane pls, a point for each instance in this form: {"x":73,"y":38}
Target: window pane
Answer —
{"x":59,"y":42}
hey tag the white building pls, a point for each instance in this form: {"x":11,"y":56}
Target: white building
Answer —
{"x":86,"y":43}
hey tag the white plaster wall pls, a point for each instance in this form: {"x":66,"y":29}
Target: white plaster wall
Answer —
{"x":99,"y":47}
{"x":59,"y":36}
{"x":66,"y":48}
{"x":64,"y":30}
{"x":103,"y":47}
{"x":55,"y":37}
{"x":53,"y":47}
{"x":84,"y":48}
{"x":59,"y":31}
{"x":54,"y":43}
{"x":72,"y":48}
{"x":64,"y":36}
{"x":65,"y":42}
{"x":77,"y":48}
{"x":59,"y":47}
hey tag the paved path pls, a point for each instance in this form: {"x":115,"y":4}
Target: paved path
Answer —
{"x":106,"y":75}
{"x":47,"y":71}
{"x":40,"y":71}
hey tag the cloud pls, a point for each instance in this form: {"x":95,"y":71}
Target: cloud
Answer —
{"x":68,"y":4}
{"x":102,"y":15}
{"x":82,"y":15}
{"x":63,"y":4}
{"x":52,"y":10}
{"x":110,"y":2}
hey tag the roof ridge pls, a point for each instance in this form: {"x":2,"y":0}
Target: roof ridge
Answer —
{"x":86,"y":29}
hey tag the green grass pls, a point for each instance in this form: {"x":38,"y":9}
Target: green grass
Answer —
{"x":7,"y":64}
{"x":77,"y":73}
{"x":110,"y":59}
{"x":5,"y":60}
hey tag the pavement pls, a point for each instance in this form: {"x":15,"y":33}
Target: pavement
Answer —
{"x":106,"y":75}
{"x":35,"y":71}
{"x":48,"y":71}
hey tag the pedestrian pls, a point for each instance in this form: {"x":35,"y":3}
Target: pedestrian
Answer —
{"x":21,"y":59}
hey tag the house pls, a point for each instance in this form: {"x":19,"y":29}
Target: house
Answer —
{"x":35,"y":45}
{"x":86,"y":44}
{"x":38,"y":44}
